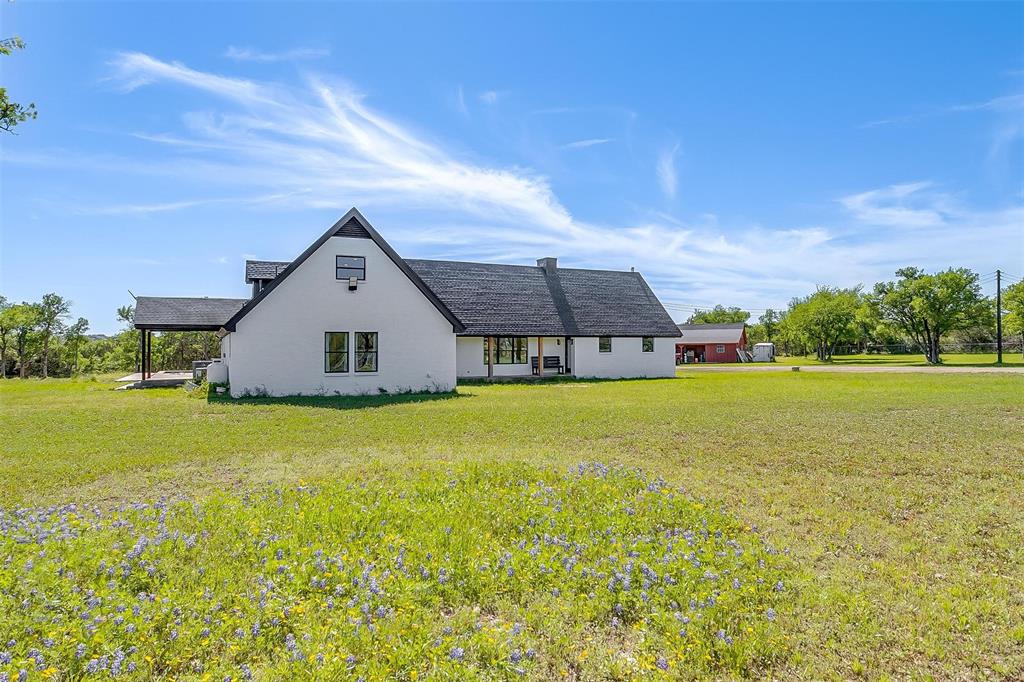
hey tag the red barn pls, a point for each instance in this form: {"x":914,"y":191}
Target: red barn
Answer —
{"x":710,"y":342}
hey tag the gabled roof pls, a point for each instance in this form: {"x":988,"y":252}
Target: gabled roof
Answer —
{"x":492,"y":299}
{"x":730,"y":332}
{"x":184,"y":314}
{"x":263,"y":269}
{"x":352,"y":224}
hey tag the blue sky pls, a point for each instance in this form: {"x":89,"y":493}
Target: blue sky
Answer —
{"x":733,"y":153}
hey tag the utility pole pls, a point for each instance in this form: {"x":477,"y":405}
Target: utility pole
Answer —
{"x":999,"y":319}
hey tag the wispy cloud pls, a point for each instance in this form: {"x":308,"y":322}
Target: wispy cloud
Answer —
{"x":1011,"y":103}
{"x":902,"y":206}
{"x":321,"y":146}
{"x":591,"y":142}
{"x":460,"y":101}
{"x":250,"y":54}
{"x":667,"y":170}
{"x":490,"y":96}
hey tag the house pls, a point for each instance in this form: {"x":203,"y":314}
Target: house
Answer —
{"x":351,"y":316}
{"x":710,"y":342}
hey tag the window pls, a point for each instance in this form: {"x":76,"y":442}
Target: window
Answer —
{"x":720,"y":348}
{"x":350,"y":266}
{"x":366,"y":351}
{"x":336,"y":352}
{"x":604,"y":344}
{"x":648,"y":344}
{"x":508,"y":350}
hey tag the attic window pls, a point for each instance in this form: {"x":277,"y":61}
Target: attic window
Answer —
{"x":349,"y":266}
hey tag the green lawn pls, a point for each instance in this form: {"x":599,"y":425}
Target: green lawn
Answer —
{"x":900,"y":498}
{"x":952,"y":359}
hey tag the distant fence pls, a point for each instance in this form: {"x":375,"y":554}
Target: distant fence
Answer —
{"x":1009,"y":346}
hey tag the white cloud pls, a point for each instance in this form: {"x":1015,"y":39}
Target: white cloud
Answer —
{"x":667,"y":170}
{"x":490,"y":96}
{"x":1005,"y":103}
{"x":460,"y":102}
{"x":322,"y":147}
{"x":582,"y":144}
{"x":249,"y":54}
{"x":902,"y":206}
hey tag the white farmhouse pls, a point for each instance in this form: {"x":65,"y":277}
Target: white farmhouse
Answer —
{"x":350,"y":316}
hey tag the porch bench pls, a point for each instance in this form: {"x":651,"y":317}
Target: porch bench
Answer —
{"x":550,"y":362}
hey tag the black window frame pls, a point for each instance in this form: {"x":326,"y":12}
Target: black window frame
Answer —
{"x":516,"y":351}
{"x":339,"y":268}
{"x":600,"y":343}
{"x":375,"y":353}
{"x":328,"y":353}
{"x":646,"y":341}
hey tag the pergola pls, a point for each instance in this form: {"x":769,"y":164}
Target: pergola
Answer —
{"x":178,"y":314}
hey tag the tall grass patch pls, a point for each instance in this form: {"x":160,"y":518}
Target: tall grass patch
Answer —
{"x":499,"y":572}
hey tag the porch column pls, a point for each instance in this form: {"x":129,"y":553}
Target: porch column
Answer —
{"x":540,"y":356}
{"x":142,"y":353}
{"x":490,"y":356}
{"x":148,"y":372}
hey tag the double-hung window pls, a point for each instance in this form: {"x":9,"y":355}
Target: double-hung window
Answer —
{"x":648,"y":344}
{"x":604,"y":344}
{"x":349,"y":266}
{"x":336,"y":352}
{"x":508,"y":350}
{"x":720,"y":348}
{"x":366,"y":351}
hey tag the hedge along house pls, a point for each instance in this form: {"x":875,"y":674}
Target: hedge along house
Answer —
{"x":350,"y":316}
{"x":711,"y":342}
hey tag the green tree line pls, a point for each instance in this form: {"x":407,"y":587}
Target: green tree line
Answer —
{"x":40,"y":339}
{"x":918,"y":309}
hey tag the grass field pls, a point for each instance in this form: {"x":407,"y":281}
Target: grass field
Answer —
{"x":951,"y":359}
{"x":899,"y":498}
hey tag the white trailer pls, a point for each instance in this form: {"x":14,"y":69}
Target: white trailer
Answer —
{"x":764,"y":352}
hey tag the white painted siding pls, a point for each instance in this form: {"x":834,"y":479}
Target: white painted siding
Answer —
{"x":278,"y":348}
{"x":470,"y":357}
{"x":626,"y":359}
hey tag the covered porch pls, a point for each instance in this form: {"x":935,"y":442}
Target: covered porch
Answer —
{"x":514,"y":357}
{"x":175,"y":314}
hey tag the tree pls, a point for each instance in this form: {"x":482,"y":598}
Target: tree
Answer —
{"x":24,"y":323}
{"x":824,"y":319}
{"x":53,"y":310}
{"x":1013,"y":303}
{"x":769,"y":322}
{"x":73,"y":337}
{"x":6,"y":326}
{"x":927,"y":306}
{"x":12,"y":113}
{"x":719,"y":315}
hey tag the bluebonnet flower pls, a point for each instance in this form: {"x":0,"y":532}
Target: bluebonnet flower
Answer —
{"x":770,"y":614}
{"x":457,"y":653}
{"x":661,"y":663}
{"x":516,"y":656}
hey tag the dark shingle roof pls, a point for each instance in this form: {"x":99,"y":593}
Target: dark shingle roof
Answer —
{"x":263,"y":269}
{"x":491,"y":299}
{"x":194,"y":314}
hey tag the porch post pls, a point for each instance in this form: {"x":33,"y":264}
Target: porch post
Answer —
{"x":540,"y":356}
{"x":142,"y":353}
{"x":490,"y":356}
{"x":149,"y":355}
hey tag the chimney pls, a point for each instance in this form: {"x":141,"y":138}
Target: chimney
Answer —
{"x":550,"y":265}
